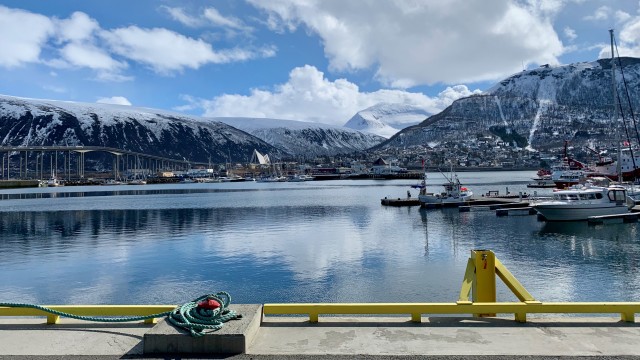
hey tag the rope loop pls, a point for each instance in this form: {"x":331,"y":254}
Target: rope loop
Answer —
{"x":190,"y":316}
{"x":187,"y":316}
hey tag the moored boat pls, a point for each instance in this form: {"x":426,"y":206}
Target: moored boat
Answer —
{"x":582,"y":201}
{"x":542,"y":182}
{"x":454,"y":193}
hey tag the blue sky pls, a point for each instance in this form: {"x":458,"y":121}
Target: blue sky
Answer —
{"x":310,"y":60}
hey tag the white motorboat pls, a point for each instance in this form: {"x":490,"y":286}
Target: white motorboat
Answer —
{"x":582,"y":201}
{"x":54,"y":182}
{"x":542,"y":182}
{"x":454,"y":193}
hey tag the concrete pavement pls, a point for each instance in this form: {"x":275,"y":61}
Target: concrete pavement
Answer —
{"x":332,"y":337}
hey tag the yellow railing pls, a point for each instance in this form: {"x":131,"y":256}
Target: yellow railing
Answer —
{"x":89,"y":310}
{"x":416,"y":310}
{"x":480,"y":282}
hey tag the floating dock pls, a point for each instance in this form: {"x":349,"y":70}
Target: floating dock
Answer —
{"x":516,"y":211}
{"x":399,"y":202}
{"x":614,"y":219}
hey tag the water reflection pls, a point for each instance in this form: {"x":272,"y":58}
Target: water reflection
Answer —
{"x":294,"y":245}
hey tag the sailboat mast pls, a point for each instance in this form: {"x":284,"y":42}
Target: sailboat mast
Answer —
{"x":614,"y":111}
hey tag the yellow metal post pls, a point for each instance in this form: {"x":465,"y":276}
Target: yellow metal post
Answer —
{"x":467,"y":282}
{"x":484,"y":286}
{"x":416,"y":317}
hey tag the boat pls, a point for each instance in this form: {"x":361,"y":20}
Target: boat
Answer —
{"x":300,"y":178}
{"x":54,"y":182}
{"x":137,"y":182}
{"x":454,"y":193}
{"x":570,"y":172}
{"x":583,"y":201}
{"x":112,"y":182}
{"x":544,"y":181}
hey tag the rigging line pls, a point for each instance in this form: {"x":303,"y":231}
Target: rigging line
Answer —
{"x":626,"y":88}
{"x":633,"y":118}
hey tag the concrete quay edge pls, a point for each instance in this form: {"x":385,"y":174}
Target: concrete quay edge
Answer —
{"x":342,"y":337}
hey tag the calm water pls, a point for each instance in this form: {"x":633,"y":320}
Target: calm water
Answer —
{"x":292,"y":242}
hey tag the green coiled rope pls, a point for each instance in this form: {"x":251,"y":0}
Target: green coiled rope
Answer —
{"x":197,"y":319}
{"x":187,"y":316}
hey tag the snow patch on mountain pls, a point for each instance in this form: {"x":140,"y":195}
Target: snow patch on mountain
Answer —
{"x":32,"y":122}
{"x":306,"y":139}
{"x":545,"y":106}
{"x":386,"y":119}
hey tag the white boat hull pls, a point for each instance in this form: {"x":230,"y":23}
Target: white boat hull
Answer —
{"x":449,"y":200}
{"x":553,"y":211}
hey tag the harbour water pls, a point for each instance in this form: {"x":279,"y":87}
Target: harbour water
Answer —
{"x":320,"y":241}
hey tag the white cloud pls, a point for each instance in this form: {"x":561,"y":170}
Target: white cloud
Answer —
{"x":410,"y":42}
{"x":208,"y":17}
{"x":309,"y":96}
{"x":22,"y":35}
{"x":569,"y":33}
{"x":87,"y":55}
{"x":601,"y":13}
{"x":628,"y":40}
{"x":166,"y":51}
{"x":214,"y":16}
{"x":78,"y":27}
{"x":182,"y":17}
{"x":80,"y":42}
{"x":117,"y":100}
{"x":622,"y":16}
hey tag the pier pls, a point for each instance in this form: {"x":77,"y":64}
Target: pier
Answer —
{"x":400,"y":202}
{"x":469,"y":326}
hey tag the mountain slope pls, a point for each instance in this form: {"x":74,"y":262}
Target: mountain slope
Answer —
{"x":305,"y":139}
{"x":155,"y":132}
{"x":544,"y":106}
{"x":386,"y":119}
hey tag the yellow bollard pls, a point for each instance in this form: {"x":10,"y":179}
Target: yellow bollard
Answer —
{"x":484,"y":286}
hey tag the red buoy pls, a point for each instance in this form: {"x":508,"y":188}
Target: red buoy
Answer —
{"x":209,"y":304}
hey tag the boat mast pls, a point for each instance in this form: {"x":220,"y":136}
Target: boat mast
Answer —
{"x":614,"y":111}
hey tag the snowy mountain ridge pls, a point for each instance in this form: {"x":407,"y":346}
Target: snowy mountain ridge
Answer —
{"x":32,"y":122}
{"x":386,"y":119}
{"x":542,"y":107}
{"x":305,"y":138}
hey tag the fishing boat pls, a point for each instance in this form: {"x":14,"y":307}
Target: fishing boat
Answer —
{"x":544,"y":181}
{"x":582,"y":201}
{"x":454,"y":193}
{"x":570,"y":172}
{"x":54,"y":182}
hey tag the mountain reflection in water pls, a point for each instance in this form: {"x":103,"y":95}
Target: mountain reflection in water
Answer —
{"x":322,"y":241}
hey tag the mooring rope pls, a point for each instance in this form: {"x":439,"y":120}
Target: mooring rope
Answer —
{"x":195,"y":316}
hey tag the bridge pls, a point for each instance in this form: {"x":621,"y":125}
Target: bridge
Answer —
{"x":29,"y":162}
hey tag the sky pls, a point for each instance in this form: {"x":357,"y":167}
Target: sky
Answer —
{"x":308,"y":60}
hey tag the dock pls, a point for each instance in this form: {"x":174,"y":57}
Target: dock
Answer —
{"x":516,"y":211}
{"x":399,"y":201}
{"x":614,"y":219}
{"x":356,"y":337}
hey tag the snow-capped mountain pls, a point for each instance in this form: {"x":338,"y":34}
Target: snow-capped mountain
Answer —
{"x":304,"y":138}
{"x":47,"y":122}
{"x":386,"y":119}
{"x":541,"y":107}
